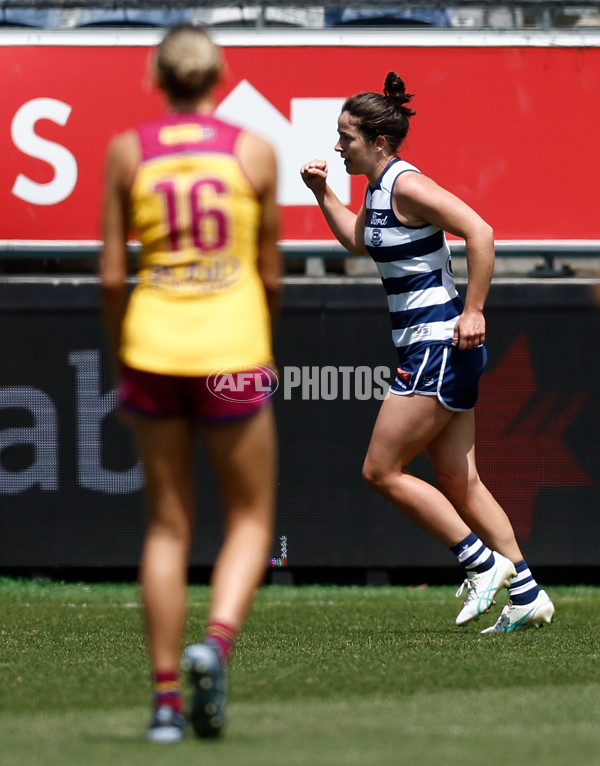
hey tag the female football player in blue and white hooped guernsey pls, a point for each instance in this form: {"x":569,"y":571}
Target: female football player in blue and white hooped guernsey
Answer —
{"x":440,"y":351}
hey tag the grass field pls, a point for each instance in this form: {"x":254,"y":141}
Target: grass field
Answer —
{"x":322,"y":675}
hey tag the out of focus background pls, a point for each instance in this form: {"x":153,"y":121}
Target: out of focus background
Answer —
{"x":507,"y":110}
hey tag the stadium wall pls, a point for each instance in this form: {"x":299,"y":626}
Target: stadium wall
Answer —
{"x":71,"y":489}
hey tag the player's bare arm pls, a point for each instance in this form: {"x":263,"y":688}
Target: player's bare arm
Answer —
{"x":258,"y":160}
{"x":417,"y":200}
{"x":120,"y":168}
{"x":346,"y":226}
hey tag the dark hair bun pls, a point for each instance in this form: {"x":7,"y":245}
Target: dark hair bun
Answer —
{"x":394,"y":87}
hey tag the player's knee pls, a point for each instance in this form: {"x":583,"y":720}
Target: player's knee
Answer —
{"x":174,"y":530}
{"x":374,"y":475}
{"x":368,"y":473}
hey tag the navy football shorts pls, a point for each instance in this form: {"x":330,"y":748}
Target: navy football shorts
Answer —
{"x":442,"y":371}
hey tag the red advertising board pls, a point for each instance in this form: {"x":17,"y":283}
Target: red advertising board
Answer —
{"x":511,"y":128}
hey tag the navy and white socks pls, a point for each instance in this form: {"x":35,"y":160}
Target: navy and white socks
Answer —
{"x":473,"y":555}
{"x":523,"y":588}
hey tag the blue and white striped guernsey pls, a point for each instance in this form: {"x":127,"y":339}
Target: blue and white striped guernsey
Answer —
{"x":414,"y":265}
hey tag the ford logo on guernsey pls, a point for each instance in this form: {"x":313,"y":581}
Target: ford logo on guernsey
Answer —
{"x":250,"y":383}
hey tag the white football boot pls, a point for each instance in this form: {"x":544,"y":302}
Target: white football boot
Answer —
{"x":523,"y":616}
{"x":482,"y":588}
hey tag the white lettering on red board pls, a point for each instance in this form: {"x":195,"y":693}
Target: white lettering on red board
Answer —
{"x":310,"y":132}
{"x":25,"y":138}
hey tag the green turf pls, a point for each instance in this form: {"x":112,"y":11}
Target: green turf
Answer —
{"x":322,"y":675}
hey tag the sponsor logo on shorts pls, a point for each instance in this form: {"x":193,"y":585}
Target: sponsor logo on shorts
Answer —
{"x":403,"y":378}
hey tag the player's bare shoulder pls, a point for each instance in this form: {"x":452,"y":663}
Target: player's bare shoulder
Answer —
{"x":123,"y":144}
{"x":257,"y":159}
{"x":412,"y":183}
{"x":415,"y":194}
{"x":122,"y":157}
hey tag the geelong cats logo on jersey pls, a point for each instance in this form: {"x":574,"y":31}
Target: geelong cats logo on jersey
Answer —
{"x":377,"y":219}
{"x":376,"y":238}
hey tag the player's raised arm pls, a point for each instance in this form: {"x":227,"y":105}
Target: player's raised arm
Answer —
{"x":346,"y":226}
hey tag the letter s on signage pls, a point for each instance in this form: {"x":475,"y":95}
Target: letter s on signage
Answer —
{"x":25,"y":138}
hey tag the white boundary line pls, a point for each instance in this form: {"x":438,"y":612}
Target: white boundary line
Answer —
{"x":296,"y":279}
{"x":587,"y":246}
{"x":313,"y":248}
{"x":361,"y":38}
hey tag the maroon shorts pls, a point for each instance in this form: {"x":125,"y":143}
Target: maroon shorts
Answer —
{"x":220,"y":398}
